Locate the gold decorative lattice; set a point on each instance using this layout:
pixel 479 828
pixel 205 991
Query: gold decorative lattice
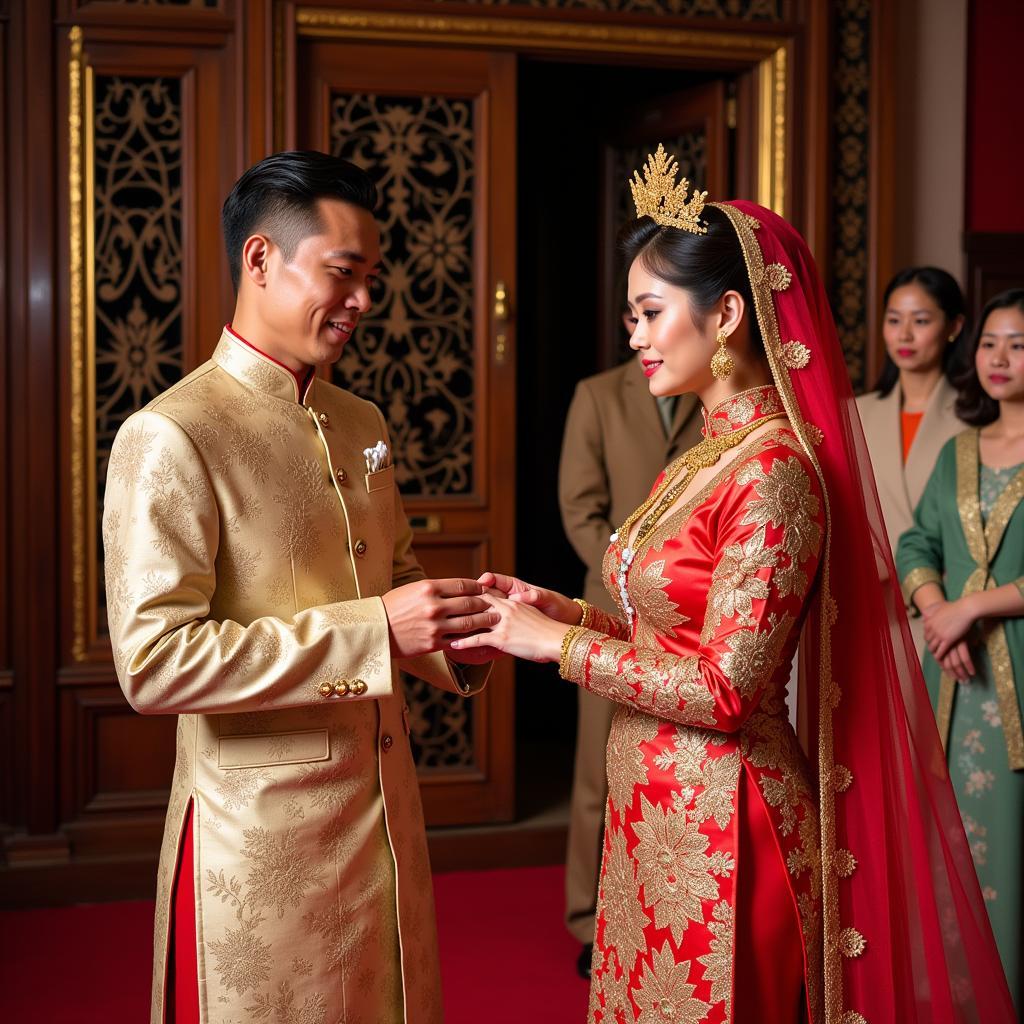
pixel 851 193
pixel 137 212
pixel 413 355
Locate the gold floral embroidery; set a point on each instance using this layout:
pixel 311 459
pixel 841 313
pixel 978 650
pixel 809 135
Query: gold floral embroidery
pixel 242 959
pixel 753 655
pixel 239 786
pixel 282 870
pixel 715 776
pixel 917 578
pixel 657 612
pixel 784 499
pixel 626 767
pixel 131 446
pixel 735 583
pixel 665 994
pixel 282 1004
pixel 851 942
pixel 620 901
pixel 674 867
pixel 718 962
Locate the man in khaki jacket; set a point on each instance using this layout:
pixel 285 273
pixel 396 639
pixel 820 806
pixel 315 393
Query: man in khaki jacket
pixel 261 585
pixel 618 438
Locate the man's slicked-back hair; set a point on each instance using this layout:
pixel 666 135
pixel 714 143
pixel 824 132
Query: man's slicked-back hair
pixel 278 198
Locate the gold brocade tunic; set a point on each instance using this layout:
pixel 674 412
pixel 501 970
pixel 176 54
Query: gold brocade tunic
pixel 246 551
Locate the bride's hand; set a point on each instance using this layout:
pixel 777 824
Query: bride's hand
pixel 523 631
pixel 554 605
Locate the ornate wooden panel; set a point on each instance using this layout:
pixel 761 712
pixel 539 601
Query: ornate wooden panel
pixel 435 129
pixel 413 355
pixel 143 234
pixel 850 197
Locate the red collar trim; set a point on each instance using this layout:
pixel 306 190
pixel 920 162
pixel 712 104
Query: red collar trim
pixel 302 382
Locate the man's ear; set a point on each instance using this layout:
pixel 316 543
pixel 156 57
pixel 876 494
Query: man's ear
pixel 256 258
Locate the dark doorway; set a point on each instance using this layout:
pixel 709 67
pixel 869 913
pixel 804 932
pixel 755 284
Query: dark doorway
pixel 571 119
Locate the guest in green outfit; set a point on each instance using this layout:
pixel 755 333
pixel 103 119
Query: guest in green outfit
pixel 962 567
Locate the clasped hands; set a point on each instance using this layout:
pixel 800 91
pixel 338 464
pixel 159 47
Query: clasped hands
pixel 476 621
pixel 946 625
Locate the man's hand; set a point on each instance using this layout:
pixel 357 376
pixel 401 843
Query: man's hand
pixel 423 616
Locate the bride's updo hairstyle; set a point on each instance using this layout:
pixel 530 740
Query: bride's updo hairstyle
pixel 705 266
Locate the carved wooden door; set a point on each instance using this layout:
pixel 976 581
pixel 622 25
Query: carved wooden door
pixel 436 130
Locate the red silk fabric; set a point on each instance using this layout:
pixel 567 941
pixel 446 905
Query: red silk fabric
pixel 183 970
pixel 907 937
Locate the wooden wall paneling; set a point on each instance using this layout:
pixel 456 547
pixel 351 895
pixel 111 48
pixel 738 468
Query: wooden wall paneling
pixel 150 17
pixel 6 675
pixel 32 418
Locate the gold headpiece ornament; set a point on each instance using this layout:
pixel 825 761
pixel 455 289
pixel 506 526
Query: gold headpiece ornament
pixel 659 196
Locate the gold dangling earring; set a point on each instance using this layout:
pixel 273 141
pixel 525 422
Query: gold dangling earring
pixel 721 362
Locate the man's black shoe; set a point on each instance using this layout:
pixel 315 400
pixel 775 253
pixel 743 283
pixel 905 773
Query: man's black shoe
pixel 583 963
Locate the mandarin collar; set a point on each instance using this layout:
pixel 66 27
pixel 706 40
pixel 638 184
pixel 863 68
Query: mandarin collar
pixel 255 369
pixel 741 409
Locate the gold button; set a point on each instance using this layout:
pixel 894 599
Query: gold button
pixel 385 742
pixel 326 689
pixel 341 688
pixel 360 548
pixel 359 687
pixel 324 420
pixel 341 475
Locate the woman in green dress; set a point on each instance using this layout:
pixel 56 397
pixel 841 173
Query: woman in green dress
pixel 962 567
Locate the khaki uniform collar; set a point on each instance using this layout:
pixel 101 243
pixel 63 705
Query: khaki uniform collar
pixel 256 370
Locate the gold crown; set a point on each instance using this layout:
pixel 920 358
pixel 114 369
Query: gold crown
pixel 659 197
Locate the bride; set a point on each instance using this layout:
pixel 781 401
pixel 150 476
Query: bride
pixel 746 875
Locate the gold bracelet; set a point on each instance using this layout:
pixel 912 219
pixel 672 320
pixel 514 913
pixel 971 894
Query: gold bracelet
pixel 567 641
pixel 587 618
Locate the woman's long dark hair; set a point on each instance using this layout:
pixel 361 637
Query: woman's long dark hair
pixel 706 266
pixel 942 287
pixel 974 404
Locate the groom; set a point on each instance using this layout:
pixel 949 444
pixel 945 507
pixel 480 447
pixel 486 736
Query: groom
pixel 261 585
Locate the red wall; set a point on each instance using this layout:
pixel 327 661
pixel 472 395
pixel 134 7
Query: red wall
pixel 995 116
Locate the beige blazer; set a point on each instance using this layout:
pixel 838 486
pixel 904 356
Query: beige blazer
pixel 613 449
pixel 900 486
pixel 246 551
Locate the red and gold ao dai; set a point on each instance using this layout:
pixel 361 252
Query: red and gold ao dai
pixel 709 904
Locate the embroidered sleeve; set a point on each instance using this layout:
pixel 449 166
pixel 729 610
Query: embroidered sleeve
pixel 602 622
pixel 767 552
pixel 919 551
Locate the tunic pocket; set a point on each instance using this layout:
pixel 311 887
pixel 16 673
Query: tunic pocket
pixel 269 749
pixel 383 479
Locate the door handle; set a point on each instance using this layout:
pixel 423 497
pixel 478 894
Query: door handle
pixel 501 316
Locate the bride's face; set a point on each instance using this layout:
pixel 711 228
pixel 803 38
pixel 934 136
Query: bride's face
pixel 675 352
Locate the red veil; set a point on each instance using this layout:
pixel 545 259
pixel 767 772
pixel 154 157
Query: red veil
pixel 906 933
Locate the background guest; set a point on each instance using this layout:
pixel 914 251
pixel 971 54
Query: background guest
pixel 962 566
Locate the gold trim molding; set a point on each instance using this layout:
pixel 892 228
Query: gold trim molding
pixel 768 52
pixel 77 291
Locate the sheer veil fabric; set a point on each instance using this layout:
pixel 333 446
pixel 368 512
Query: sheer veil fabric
pixel 906 933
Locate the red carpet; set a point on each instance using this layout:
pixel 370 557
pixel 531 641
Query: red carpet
pixel 505 956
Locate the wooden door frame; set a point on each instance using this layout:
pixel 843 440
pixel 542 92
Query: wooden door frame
pixel 775 63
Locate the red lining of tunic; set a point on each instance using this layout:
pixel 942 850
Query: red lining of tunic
pixel 181 990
